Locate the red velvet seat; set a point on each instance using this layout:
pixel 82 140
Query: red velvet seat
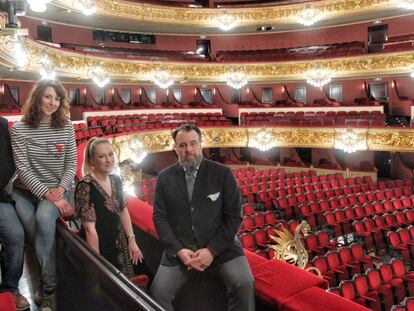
pixel 364 237
pixel 396 284
pixel 399 248
pixel 259 220
pixel 345 256
pixel 271 218
pixel 372 298
pixel 399 270
pixel 247 224
pixel 384 290
pixel 321 264
pixel 260 238
pixel 312 246
pixel 376 232
pixel 324 240
pixel 391 221
pixel 248 209
pixel 347 290
pixel 248 242
pixel 341 218
pixel 334 264
pixel 401 219
pixel 359 255
pixel 332 224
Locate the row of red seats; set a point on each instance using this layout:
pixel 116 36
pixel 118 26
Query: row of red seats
pixel 306 193
pixel 331 50
pixel 310 177
pixel 259 239
pixel 326 199
pixel 371 231
pixel 84 134
pixel 339 265
pixel 259 220
pixel 132 53
pixel 319 123
pixel 152 117
pixel 283 179
pixel 401 243
pixel 340 218
pixel 246 117
pixel 119 128
pixel 378 288
pixel 251 171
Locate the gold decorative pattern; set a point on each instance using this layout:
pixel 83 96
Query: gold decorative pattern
pixel 158 141
pixel 3 20
pixel 149 13
pixel 152 141
pixel 290 248
pixel 391 140
pixel 230 137
pixel 72 64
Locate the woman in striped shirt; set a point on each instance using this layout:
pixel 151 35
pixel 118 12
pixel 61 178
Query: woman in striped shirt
pixel 44 151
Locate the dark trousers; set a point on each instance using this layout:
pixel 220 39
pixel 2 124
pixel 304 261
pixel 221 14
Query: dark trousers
pixel 235 274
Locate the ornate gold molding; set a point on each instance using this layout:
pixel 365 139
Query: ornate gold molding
pixel 3 21
pixel 245 16
pixel 401 140
pixel 72 64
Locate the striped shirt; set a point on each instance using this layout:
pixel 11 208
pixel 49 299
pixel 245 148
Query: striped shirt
pixel 45 157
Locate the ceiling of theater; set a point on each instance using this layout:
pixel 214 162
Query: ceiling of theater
pixel 148 18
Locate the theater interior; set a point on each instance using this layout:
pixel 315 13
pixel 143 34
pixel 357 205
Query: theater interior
pixel 309 102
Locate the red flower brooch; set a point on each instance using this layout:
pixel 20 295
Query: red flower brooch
pixel 59 148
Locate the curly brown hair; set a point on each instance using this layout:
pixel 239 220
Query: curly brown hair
pixel 31 108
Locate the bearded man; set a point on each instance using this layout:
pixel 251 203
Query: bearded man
pixel 197 214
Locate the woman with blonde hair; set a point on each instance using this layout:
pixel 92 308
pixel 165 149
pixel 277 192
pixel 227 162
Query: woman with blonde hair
pixel 101 206
pixel 44 152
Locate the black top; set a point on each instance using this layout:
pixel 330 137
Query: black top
pixel 6 159
pixel 93 204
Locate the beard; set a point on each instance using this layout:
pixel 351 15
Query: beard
pixel 190 163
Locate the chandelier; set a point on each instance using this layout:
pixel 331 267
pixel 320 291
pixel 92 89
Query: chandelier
pixel 406 4
pixel 138 152
pixel 100 78
pixel 226 22
pixel 16 48
pixel 308 16
pixel 236 80
pixel 38 5
pixel 350 140
pixel 46 68
pixel 263 140
pixel 318 77
pixel 88 7
pixel 163 79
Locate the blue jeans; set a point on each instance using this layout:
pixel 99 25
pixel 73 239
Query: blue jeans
pixel 12 239
pixel 39 221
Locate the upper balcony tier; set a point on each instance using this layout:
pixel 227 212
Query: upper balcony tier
pixel 139 16
pixel 69 64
